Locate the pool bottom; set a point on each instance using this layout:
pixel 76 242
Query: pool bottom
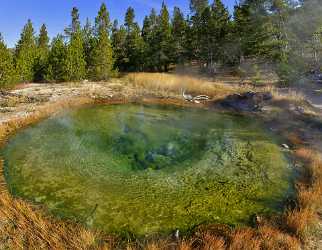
pixel 149 169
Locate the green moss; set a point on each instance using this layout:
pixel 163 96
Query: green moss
pixel 141 170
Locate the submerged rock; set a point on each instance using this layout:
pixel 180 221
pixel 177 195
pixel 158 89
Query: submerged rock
pixel 249 101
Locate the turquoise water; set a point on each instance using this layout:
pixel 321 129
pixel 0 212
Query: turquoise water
pixel 148 169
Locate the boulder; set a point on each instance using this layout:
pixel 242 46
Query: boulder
pixel 249 101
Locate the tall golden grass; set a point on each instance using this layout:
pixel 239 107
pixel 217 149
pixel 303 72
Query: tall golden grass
pixel 166 84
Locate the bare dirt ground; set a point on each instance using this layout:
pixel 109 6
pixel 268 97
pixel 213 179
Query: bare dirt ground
pixel 26 98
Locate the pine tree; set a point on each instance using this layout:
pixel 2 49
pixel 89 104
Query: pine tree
pixel 198 6
pixel 43 39
pixel 178 37
pixel 134 42
pixel 281 10
pixel 75 26
pixel 164 37
pixel 41 59
pixel 204 50
pixel 219 29
pixel 151 40
pixel 102 62
pixel 56 70
pixel 88 41
pixel 256 31
pixel 75 57
pixel 25 54
pixel 147 28
pixel 7 70
pixel 241 27
pixel 119 46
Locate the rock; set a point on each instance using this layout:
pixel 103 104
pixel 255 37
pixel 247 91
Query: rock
pixel 249 101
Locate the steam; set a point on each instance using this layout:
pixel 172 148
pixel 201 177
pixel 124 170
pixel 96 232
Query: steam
pixel 304 30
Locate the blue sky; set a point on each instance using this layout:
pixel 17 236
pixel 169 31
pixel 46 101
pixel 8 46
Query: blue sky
pixel 56 13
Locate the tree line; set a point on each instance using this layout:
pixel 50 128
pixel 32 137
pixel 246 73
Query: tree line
pixel 210 35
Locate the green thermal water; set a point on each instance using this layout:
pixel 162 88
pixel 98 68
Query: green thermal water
pixel 149 169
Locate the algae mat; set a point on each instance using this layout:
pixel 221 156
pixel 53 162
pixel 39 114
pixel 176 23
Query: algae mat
pixel 136 169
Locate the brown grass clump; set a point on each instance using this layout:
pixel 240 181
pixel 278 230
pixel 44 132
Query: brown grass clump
pixel 166 84
pixel 245 239
pixel 204 241
pixel 308 197
pixel 185 245
pixel 273 238
pixel 312 176
pixel 157 245
pixel 300 221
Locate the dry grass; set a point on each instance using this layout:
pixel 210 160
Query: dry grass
pixel 273 238
pixel 26 227
pixel 301 220
pixel 312 177
pixel 245 239
pixel 166 84
pixel 213 242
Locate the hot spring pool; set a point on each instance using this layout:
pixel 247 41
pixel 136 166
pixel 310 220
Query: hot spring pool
pixel 149 169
